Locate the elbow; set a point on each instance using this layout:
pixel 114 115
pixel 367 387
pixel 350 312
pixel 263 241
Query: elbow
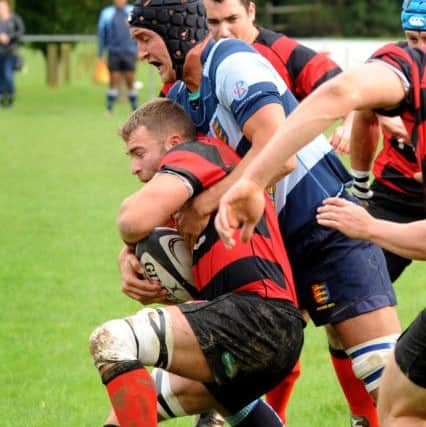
pixel 130 227
pixel 343 94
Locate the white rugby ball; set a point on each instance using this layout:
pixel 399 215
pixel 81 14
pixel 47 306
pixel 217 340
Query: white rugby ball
pixel 165 257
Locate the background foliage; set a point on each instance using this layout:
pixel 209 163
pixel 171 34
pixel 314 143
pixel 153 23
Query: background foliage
pixel 339 18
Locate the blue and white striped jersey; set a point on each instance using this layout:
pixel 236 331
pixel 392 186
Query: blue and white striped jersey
pixel 113 31
pixel 236 82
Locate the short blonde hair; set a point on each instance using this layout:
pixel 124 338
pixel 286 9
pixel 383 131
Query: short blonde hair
pixel 160 116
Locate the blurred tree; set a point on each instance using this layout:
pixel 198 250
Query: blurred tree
pixel 60 16
pixel 339 18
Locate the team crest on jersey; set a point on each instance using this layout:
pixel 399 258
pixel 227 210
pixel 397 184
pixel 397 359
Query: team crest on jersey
pixel 416 21
pixel 219 131
pixel 320 293
pixel 240 90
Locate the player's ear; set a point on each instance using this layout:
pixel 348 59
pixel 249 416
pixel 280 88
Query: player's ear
pixel 252 11
pixel 172 140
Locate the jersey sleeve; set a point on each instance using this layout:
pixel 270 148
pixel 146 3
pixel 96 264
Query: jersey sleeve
pixel 397 58
pixel 200 165
pixel 310 69
pixel 244 80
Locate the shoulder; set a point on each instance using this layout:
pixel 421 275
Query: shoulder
pixel 271 38
pixel 107 12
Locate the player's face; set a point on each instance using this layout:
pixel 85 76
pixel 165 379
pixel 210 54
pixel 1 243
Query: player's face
pixel 416 39
pixel 146 152
pixel 153 49
pixel 231 19
pixel 120 3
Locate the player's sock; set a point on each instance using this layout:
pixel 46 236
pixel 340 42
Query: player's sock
pixel 111 425
pixel 133 99
pixel 360 402
pixel 256 414
pixel 133 395
pixel 279 396
pixel 112 95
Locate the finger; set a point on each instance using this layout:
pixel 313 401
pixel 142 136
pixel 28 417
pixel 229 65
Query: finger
pixel 136 265
pixel 247 231
pixel 335 201
pixel 327 223
pixel 220 221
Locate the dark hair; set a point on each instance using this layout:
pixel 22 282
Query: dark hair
pixel 245 3
pixel 161 116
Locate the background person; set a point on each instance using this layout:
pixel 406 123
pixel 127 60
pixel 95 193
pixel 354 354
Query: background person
pixel 114 37
pixel 11 30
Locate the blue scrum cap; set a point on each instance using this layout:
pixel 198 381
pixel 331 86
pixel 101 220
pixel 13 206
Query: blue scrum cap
pixel 413 15
pixel 180 23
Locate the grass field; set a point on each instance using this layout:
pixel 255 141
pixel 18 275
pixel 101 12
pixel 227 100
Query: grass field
pixel 63 175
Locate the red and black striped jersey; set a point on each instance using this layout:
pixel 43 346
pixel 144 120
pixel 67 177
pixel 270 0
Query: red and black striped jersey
pixel 302 69
pixel 260 266
pixel 396 163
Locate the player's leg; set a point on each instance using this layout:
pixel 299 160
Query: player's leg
pixel 361 404
pixel 347 281
pixel 114 80
pixel 402 398
pixel 241 354
pixel 122 347
pixel 128 68
pixel 280 395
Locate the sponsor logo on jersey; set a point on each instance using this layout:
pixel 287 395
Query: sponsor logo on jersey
pixel 416 21
pixel 320 293
pixel 240 90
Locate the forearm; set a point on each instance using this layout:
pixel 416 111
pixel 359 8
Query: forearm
pixel 315 114
pixel 151 207
pixel 208 201
pixel 364 139
pixel 406 240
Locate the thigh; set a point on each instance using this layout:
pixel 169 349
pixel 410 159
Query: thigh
pixel 128 62
pixel 250 344
pixel 410 351
pixel 401 402
pixel 345 278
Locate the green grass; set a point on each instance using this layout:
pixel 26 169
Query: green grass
pixel 63 175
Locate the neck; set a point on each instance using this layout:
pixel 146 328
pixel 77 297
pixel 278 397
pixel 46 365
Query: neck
pixel 254 32
pixel 192 68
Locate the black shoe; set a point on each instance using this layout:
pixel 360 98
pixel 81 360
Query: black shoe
pixel 7 100
pixel 209 419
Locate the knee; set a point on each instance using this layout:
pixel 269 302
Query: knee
pixel 111 343
pixel 370 358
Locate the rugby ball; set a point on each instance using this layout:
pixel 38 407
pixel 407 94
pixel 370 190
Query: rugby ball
pixel 165 257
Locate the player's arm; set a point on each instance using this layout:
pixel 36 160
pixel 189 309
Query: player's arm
pixel 364 140
pixel 406 240
pixel 258 129
pixel 151 206
pixel 373 85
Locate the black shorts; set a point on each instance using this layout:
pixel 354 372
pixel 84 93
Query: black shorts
pixel 250 344
pixel 121 61
pixel 410 351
